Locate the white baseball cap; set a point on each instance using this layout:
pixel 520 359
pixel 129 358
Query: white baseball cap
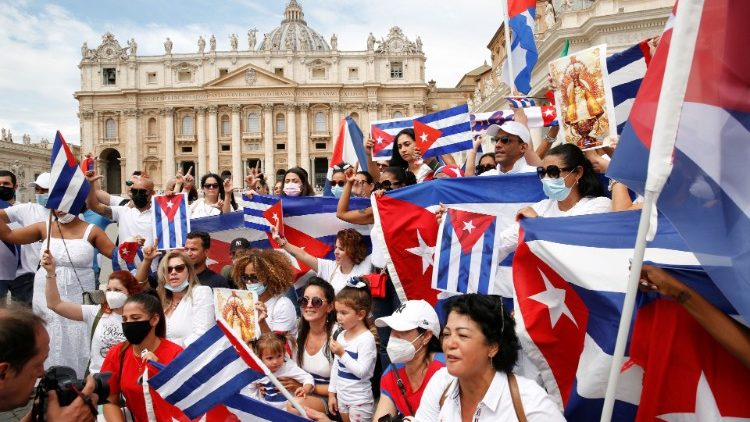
pixel 42 181
pixel 514 128
pixel 410 315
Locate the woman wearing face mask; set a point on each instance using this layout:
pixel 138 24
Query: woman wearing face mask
pixel 72 243
pixel 145 330
pixel 269 274
pixel 407 156
pixel 415 355
pixel 296 183
pixel 102 321
pixel 338 180
pixel 188 306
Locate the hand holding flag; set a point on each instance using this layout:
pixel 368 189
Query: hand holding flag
pixel 68 184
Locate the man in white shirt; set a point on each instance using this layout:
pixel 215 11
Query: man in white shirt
pixel 511 139
pixel 22 215
pixel 131 221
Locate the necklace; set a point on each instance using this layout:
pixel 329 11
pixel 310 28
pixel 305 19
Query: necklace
pixel 174 305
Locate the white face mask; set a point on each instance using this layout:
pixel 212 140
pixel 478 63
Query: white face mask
pixel 116 299
pixel 65 219
pixel 176 289
pixel 400 350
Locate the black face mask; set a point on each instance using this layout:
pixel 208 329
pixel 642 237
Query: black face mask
pixel 7 193
pixel 136 331
pixel 483 168
pixel 140 200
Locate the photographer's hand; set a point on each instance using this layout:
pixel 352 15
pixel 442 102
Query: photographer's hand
pixel 82 409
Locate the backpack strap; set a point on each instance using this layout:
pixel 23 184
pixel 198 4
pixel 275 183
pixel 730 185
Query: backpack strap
pixel 444 395
pixel 402 389
pixel 91 337
pixel 515 395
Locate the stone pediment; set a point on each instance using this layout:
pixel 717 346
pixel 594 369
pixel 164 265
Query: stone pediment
pixel 249 76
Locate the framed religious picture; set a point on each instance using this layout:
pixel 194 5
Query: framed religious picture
pixel 237 309
pixel 583 98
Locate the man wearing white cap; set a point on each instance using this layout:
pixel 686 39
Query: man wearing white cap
pixel 22 215
pixel 511 139
pixel 415 354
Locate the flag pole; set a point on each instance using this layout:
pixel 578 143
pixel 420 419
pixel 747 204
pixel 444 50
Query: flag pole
pixel 667 120
pixel 511 77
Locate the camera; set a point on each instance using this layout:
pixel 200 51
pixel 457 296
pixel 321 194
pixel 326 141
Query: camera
pixel 64 381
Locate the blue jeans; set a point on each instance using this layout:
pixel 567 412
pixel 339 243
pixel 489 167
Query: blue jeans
pixel 21 288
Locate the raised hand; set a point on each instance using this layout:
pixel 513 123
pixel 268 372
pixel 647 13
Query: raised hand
pixel 48 262
pixel 151 252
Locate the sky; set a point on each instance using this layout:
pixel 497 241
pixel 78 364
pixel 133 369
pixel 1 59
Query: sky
pixel 41 41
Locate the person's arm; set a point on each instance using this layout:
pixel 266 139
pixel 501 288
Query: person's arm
pixel 385 407
pixel 92 200
pixel 735 338
pixel 471 161
pixel 449 160
pixel 362 216
pixel 372 168
pixel 531 157
pixel 149 254
pixel 621 197
pixel 547 142
pixel 22 235
pixel 102 242
pixel 363 366
pixel 228 192
pixel 78 410
pixel 296 252
pixel 202 313
pixel 67 310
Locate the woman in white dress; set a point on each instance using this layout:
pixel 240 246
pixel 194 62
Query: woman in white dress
pixel 217 197
pixel 72 243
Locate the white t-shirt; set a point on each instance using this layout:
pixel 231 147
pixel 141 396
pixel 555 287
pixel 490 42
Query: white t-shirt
pixel 282 316
pixel 25 215
pixel 330 271
pixel 108 332
pixel 423 172
pixel 271 395
pixel 199 208
pixel 193 316
pixel 496 405
pixel 351 373
pixel 132 222
pixel 377 258
pixel 520 166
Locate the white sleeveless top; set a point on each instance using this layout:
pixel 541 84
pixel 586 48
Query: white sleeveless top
pixel 318 366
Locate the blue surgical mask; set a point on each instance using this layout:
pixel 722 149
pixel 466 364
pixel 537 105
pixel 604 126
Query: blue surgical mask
pixel 337 191
pixel 41 199
pixel 555 189
pixel 258 288
pixel 177 289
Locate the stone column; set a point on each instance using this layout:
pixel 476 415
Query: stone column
pixel 213 139
pixel 87 131
pixel 201 128
pixel 169 161
pixel 304 137
pixel 372 114
pixel 236 144
pixel 268 167
pixel 291 135
pixel 131 141
pixel 335 119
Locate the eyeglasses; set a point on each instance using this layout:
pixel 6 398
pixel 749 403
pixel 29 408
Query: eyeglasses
pixel 179 268
pixel 315 302
pixel 505 140
pixel 139 191
pixel 552 171
pixel 211 186
pixel 387 185
pixel 249 279
pixel 340 183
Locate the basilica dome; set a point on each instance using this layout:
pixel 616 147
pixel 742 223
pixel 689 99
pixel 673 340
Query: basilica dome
pixel 293 33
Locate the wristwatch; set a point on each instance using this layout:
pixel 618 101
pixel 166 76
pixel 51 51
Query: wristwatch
pixel 612 183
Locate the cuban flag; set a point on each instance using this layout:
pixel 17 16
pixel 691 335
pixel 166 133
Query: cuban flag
pixel 523 52
pixel 212 369
pixel 407 218
pixel 520 102
pixel 465 255
pixel 128 256
pixel 88 163
pixel 349 148
pixel 443 132
pixel 626 71
pixel 706 195
pixel 171 220
pixel 68 185
pixel 383 133
pixel 248 409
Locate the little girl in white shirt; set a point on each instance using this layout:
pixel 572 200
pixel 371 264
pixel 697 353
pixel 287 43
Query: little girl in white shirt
pixel 355 351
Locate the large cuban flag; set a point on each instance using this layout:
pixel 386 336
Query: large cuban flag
pixel 706 196
pixel 443 132
pixel 171 220
pixel 570 276
pixel 68 185
pixel 349 148
pixel 523 52
pixel 626 70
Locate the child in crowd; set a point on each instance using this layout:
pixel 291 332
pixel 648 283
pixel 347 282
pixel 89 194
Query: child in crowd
pixel 270 349
pixel 355 352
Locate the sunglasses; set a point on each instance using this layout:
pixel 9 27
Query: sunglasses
pixel 340 183
pixel 315 302
pixel 179 268
pixel 387 185
pixel 249 279
pixel 505 140
pixel 139 191
pixel 552 171
pixel 211 186
pixel 129 183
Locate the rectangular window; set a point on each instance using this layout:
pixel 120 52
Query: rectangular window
pixel 223 72
pixel 226 148
pixel 109 76
pixel 397 70
pixel 353 73
pixel 151 77
pixel 226 127
pixel 280 146
pixel 187 150
pixel 279 71
pixel 321 145
pixel 184 76
pixel 318 73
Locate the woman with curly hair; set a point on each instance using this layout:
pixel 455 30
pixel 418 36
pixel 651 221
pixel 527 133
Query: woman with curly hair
pixel 269 274
pixel 351 257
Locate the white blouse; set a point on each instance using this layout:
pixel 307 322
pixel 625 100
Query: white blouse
pixel 192 317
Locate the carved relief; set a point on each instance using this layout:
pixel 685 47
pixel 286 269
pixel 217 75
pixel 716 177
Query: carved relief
pixel 109 50
pixel 251 76
pixel 397 43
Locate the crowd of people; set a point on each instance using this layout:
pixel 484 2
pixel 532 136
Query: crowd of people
pixel 340 352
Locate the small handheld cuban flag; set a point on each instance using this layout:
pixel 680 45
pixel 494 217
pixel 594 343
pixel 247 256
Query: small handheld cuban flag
pixel 465 258
pixel 444 132
pixel 68 185
pixel 520 102
pixel 383 134
pixel 171 220
pixel 129 255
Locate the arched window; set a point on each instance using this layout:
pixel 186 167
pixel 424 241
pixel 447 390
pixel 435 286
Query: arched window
pixel 187 125
pixel 280 123
pixel 110 129
pixel 355 117
pixel 320 121
pixel 226 127
pixel 151 127
pixel 253 123
pixel 398 114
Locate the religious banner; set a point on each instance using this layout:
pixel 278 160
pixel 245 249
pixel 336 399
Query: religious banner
pixel 584 98
pixel 237 309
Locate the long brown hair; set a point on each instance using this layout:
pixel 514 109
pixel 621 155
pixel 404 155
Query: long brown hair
pixel 165 295
pixel 304 326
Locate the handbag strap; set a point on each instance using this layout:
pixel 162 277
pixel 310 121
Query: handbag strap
pixel 515 395
pixel 402 389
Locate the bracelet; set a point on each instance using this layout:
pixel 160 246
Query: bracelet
pixel 550 139
pixel 612 183
pixel 52 276
pixel 286 242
